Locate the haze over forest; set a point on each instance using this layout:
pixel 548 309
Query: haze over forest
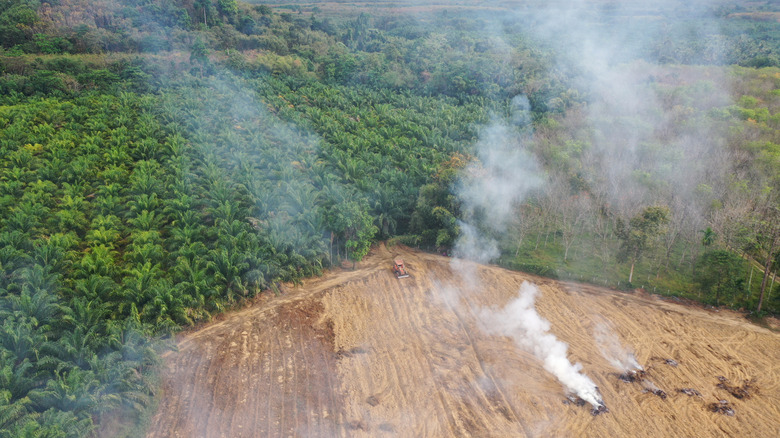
pixel 166 161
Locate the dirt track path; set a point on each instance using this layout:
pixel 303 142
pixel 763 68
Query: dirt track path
pixel 360 353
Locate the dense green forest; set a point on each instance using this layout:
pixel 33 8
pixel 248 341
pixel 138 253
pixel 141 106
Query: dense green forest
pixel 163 161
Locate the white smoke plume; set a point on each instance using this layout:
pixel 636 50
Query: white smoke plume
pixel 613 351
pixel 627 105
pixel 520 321
pixel 503 176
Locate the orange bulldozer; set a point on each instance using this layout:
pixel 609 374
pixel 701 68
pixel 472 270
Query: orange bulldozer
pixel 399 269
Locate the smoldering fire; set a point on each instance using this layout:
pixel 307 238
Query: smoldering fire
pixel 520 321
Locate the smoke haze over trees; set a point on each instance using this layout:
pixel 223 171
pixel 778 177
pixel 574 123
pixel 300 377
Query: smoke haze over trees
pixel 165 160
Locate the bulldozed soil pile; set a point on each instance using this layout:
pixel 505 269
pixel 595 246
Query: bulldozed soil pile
pixel 361 353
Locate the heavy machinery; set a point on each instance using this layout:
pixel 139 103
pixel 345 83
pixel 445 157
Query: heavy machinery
pixel 399 269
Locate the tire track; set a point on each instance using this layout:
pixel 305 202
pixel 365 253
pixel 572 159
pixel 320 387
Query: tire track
pixel 462 327
pixel 475 349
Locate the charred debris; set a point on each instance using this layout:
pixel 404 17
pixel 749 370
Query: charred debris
pixel 740 392
pixel 577 401
pixel 640 376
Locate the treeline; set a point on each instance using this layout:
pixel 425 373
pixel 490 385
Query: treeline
pixel 436 53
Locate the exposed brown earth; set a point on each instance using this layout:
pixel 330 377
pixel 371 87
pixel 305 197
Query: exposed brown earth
pixel 361 353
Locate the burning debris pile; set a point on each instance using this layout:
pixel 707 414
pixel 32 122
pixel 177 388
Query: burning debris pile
pixel 577 401
pixel 690 392
pixel 667 361
pixel 520 321
pixel 650 387
pixel 599 410
pixel 612 350
pixel 640 376
pixel 721 407
pixel 625 361
pixel 632 376
pixel 574 400
pixel 740 392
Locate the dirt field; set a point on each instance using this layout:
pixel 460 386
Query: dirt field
pixel 360 353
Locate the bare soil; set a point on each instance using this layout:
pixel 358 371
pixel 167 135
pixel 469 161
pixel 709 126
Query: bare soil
pixel 361 353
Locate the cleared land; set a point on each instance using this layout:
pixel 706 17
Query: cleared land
pixel 360 353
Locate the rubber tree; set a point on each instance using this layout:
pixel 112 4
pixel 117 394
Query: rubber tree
pixel 768 264
pixel 720 272
pixel 638 234
pixel 199 54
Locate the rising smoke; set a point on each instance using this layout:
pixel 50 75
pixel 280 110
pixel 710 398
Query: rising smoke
pixel 505 174
pixel 613 351
pixel 520 321
pixel 639 153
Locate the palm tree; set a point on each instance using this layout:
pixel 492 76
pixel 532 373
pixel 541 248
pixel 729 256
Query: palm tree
pixel 37 304
pixel 147 148
pixel 143 202
pixel 227 211
pixel 174 145
pixel 144 252
pixel 99 260
pixel 108 370
pixel 24 220
pixel 109 189
pixel 70 220
pixel 108 204
pixel 233 235
pixel 179 208
pixel 17 377
pixel 117 156
pixel 184 234
pixel 19 337
pixel 56 422
pixel 41 191
pixel 86 313
pixel 135 286
pixel 10 411
pixel 227 269
pixel 102 236
pixel 144 179
pixel 49 255
pixel 74 346
pixel 132 343
pixel 187 218
pixel 708 236
pixel 67 391
pixel 192 281
pixel 147 221
pixel 191 251
pixel 164 308
pixel 16 240
pixel 386 211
